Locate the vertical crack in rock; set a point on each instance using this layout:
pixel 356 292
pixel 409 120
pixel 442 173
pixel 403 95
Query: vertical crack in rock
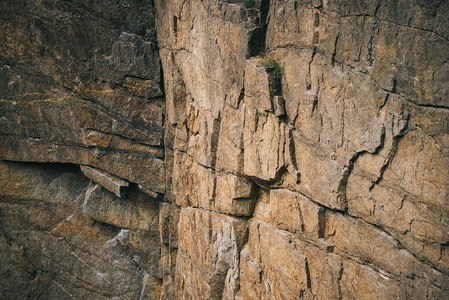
pixel 308 279
pixel 340 275
pixel 334 53
pixel 214 140
pixel 256 27
pixel 321 222
pixel 347 170
pixel 369 55
pixel 212 175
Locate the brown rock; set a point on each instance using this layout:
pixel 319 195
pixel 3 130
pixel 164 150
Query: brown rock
pixel 282 210
pixel 275 265
pixel 50 248
pixel 235 195
pixel 359 281
pixel 89 94
pixel 193 184
pixel 135 211
pixel 110 182
pixel 321 125
pixel 371 244
pixel 230 154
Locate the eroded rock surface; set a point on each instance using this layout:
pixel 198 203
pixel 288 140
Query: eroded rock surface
pixel 236 149
pixel 81 83
pixel 61 237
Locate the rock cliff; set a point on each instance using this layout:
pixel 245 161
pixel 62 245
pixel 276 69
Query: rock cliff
pixel 207 149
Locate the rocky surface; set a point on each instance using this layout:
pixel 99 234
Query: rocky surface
pixel 224 149
pixel 114 184
pixel 81 83
pixel 63 236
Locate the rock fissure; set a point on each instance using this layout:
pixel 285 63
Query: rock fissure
pixel 238 150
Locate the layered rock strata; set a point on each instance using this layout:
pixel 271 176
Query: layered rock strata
pixel 224 149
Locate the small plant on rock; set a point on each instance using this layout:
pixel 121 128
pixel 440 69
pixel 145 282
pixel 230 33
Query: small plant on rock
pixel 271 64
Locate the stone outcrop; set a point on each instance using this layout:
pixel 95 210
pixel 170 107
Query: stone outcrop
pixel 114 184
pixel 224 149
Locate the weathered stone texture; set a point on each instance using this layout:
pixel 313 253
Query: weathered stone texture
pixel 50 247
pixel 114 184
pixel 236 149
pixel 210 269
pixel 81 83
pixel 349 153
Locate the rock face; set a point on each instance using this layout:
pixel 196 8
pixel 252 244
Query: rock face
pixel 81 83
pixel 224 149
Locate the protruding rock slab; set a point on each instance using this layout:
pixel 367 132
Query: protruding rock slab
pixel 235 195
pixel 264 135
pixel 136 210
pixel 112 183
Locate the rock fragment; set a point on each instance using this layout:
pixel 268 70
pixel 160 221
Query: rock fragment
pixel 112 183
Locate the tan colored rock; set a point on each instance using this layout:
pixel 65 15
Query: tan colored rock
pixel 230 154
pixel 325 270
pixel 202 143
pixel 273 268
pixel 241 188
pixel 168 268
pixel 426 162
pixel 278 103
pixel 325 159
pixel 282 210
pixel 369 243
pixel 275 265
pixel 174 88
pixel 169 140
pixel 324 179
pixel 437 293
pixel 359 281
pixel 291 211
pixel 257 89
pixel 264 142
pixel 212 44
pixel 413 216
pixel 181 138
pixel 235 195
pixel 443 263
pixel 193 184
pixel 320 175
pixel 168 228
pixel 313 217
pixel 164 222
pixel 209 247
pixel 168 224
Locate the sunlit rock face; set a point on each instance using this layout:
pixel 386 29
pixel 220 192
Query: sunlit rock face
pixel 224 149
